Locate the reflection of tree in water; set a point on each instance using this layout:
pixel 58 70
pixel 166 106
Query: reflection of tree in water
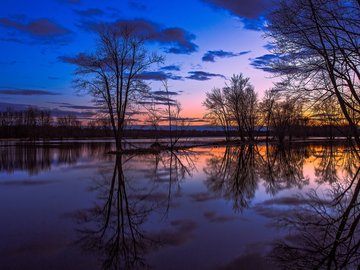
pixel 31 159
pixel 233 175
pixel 282 167
pixel 333 160
pixel 324 230
pixel 35 158
pixel 117 222
pixel 236 174
pixel 114 227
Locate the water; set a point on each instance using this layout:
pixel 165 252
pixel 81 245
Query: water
pixel 73 206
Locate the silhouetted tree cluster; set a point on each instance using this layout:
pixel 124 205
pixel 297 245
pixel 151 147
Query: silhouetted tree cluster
pixel 283 116
pixel 234 107
pixel 31 123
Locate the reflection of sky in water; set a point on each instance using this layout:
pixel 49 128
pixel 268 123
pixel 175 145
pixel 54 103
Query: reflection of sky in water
pixel 40 208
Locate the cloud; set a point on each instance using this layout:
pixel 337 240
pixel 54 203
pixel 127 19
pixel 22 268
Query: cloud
pixel 209 56
pixel 187 120
pixel 158 76
pixel 159 98
pixel 269 46
pixel 202 75
pixel 79 107
pixel 54 112
pixel 242 8
pixel 263 62
pixel 89 12
pixel 254 24
pixel 251 13
pixel 176 40
pixel 27 92
pixel 164 93
pixel 171 68
pixel 80 115
pixel 37 28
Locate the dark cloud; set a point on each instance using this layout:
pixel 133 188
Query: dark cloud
pixel 54 112
pixel 202 75
pixel 242 8
pixel 66 105
pixel 164 93
pixel 137 5
pixel 187 120
pixel 254 24
pixel 158 76
pixel 264 62
pixel 78 107
pixel 61 41
pixel 78 114
pixel 251 13
pixel 27 92
pixel 90 12
pixel 209 56
pixel 269 46
pixel 37 28
pixel 176 40
pixel 145 103
pixel 159 98
pixel 171 68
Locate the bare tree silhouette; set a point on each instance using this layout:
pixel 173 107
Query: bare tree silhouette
pixel 112 75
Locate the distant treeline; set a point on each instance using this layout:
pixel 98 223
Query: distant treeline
pixel 34 124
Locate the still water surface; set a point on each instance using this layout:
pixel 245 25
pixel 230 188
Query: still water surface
pixel 73 206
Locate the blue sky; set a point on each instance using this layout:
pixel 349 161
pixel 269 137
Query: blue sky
pixel 213 40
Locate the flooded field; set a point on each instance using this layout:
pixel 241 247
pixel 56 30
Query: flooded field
pixel 74 206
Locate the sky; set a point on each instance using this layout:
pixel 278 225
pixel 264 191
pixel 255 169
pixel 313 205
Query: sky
pixel 204 43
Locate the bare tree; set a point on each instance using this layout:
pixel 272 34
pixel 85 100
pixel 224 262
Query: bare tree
pixel 218 113
pixel 234 105
pixel 317 44
pixel 241 100
pixel 112 75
